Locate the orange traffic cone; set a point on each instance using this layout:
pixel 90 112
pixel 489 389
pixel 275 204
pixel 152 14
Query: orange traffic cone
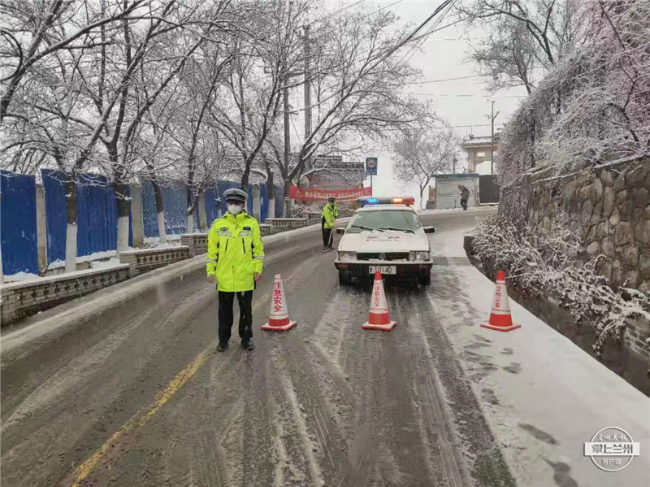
pixel 500 317
pixel 379 318
pixel 279 315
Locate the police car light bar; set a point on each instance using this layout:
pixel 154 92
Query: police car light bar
pixel 396 200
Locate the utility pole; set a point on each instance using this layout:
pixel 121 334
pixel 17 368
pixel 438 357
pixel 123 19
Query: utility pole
pixel 287 130
pixel 307 54
pixel 492 116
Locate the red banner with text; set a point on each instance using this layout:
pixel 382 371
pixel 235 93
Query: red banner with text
pixel 295 193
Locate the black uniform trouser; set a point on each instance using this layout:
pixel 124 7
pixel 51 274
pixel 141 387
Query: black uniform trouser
pixel 327 234
pixel 463 203
pixel 226 302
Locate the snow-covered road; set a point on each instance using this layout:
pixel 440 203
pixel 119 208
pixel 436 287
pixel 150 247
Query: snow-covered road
pixel 134 394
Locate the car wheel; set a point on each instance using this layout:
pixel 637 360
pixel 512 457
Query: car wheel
pixel 425 279
pixel 344 279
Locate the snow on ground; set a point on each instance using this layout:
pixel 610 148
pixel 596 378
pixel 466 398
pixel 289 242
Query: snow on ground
pixel 106 264
pixel 488 207
pixel 155 241
pixel 168 245
pixel 20 276
pixel 543 396
pixel 84 258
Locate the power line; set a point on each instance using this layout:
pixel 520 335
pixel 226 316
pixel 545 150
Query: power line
pixel 467 95
pixel 410 37
pixel 391 51
pixel 446 79
pixel 433 29
pixel 322 34
pixel 334 14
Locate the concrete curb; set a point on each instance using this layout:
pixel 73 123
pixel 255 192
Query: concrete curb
pixel 97 302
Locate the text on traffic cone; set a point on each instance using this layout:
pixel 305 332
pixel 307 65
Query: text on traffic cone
pixel 378 318
pixel 500 317
pixel 279 314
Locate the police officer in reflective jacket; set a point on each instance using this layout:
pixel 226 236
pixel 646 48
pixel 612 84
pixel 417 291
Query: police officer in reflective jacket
pixel 235 263
pixel 328 218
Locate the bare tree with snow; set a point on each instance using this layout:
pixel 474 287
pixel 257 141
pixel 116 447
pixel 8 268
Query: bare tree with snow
pixel 250 103
pixel 592 107
pixel 360 76
pixel 526 37
pixel 421 154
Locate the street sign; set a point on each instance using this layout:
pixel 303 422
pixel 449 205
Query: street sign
pixel 371 166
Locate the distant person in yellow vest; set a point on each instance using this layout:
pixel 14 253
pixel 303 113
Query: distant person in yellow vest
pixel 329 216
pixel 235 263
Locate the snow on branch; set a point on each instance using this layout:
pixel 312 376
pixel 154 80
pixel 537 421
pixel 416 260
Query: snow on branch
pixel 592 107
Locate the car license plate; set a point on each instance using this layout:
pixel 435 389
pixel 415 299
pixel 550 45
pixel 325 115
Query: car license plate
pixel 384 269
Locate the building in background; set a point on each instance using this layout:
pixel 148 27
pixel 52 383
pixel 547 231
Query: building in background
pixel 335 173
pixel 448 194
pixel 431 201
pixel 478 153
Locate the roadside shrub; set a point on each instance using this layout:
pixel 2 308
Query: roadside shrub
pixel 551 262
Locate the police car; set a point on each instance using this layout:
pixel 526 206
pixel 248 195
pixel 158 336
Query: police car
pixel 385 235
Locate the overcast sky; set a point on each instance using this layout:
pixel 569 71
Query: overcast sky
pixel 444 55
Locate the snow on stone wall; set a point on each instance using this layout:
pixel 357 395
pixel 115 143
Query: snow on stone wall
pixel 609 205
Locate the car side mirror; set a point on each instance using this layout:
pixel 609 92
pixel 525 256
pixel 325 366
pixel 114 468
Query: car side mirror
pixel 340 231
pixel 429 230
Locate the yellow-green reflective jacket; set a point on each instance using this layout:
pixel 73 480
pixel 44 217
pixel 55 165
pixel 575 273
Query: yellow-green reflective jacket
pixel 330 213
pixel 235 252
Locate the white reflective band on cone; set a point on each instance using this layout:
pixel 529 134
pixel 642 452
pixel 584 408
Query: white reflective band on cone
pixel 378 303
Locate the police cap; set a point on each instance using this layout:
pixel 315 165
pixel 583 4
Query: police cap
pixel 235 194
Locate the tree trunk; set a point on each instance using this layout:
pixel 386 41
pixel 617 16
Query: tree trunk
pixel 287 184
pixel 244 179
pixel 270 190
pixel 422 207
pixel 71 227
pixel 189 227
pixel 191 208
pixel 123 209
pixel 160 209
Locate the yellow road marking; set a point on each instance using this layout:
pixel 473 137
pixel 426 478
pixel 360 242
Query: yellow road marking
pixel 142 417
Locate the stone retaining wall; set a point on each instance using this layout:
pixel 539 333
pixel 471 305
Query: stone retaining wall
pixel 197 243
pixel 288 223
pixel 147 260
pixel 26 298
pixel 608 205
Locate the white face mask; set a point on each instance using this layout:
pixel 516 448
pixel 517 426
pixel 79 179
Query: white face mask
pixel 234 209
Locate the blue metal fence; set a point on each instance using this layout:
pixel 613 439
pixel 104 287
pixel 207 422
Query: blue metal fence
pixel 18 223
pixel 279 201
pixel 175 206
pixel 265 203
pixel 211 205
pixel 96 214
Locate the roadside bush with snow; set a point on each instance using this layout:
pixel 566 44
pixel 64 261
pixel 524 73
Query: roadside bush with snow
pixel 592 106
pixel 551 262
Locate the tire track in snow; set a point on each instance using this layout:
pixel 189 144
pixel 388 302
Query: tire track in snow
pixel 436 421
pixel 309 446
pixel 481 460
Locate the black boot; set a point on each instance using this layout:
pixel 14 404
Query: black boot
pixel 248 345
pixel 222 347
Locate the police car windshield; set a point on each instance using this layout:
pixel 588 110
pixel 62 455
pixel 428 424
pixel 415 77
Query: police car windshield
pixel 398 220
